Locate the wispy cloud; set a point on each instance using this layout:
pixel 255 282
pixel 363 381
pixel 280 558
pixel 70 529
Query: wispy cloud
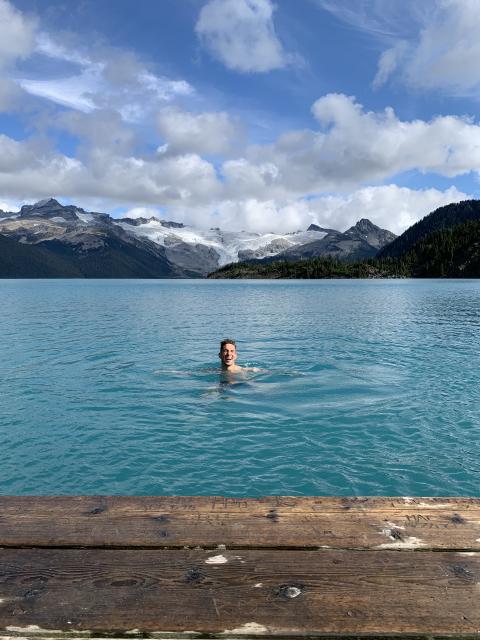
pixel 432 45
pixel 101 78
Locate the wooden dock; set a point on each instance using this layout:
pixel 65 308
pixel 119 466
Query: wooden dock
pixel 169 567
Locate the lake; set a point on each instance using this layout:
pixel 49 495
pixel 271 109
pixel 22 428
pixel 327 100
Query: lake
pixel 370 387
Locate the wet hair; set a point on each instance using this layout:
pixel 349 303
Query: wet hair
pixel 228 341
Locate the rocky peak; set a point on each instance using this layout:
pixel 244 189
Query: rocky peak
pixel 315 227
pixel 370 233
pixel 50 208
pixel 365 226
pixel 47 207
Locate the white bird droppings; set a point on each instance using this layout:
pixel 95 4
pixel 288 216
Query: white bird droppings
pixel 249 627
pixel 394 526
pixel 258 585
pixel 216 560
pixel 292 592
pixel 30 628
pixel 410 542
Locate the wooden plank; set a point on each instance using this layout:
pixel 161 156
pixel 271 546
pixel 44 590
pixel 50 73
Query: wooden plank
pixel 274 522
pixel 293 593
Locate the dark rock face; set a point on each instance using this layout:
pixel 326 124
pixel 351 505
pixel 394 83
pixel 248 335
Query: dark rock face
pixel 361 241
pixel 86 244
pixel 315 227
pixel 195 260
pixel 136 222
pixel 274 247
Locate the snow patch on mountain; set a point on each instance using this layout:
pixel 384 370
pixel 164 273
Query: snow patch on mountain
pixel 228 245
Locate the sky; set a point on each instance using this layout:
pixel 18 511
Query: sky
pixel 241 114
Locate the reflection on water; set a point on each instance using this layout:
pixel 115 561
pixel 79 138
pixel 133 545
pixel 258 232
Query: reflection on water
pixel 366 388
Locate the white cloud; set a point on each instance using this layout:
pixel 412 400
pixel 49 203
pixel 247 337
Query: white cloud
pixel 188 190
pixel 431 45
pixel 389 61
pixel 353 147
pixel 440 51
pixel 16 34
pixel 203 133
pixel 241 34
pixel 142 212
pixel 74 92
pixel 446 53
pixel 279 187
pixel 102 129
pixel 389 206
pixel 262 216
pixel 31 169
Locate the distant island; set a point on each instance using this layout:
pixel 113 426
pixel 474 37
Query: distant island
pixel 51 240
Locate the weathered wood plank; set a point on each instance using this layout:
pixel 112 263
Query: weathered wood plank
pixel 296 593
pixel 274 522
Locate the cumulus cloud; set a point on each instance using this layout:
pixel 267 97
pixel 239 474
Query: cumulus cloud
pixel 281 186
pixel 241 34
pixel 188 189
pixel 390 206
pixel 30 169
pixel 203 133
pixel 102 129
pixel 353 147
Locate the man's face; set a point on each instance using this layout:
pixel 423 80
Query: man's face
pixel 228 354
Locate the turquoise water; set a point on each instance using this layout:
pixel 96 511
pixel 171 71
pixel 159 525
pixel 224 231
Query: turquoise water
pixel 112 387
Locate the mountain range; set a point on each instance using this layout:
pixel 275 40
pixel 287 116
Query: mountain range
pixel 48 239
pixel 444 244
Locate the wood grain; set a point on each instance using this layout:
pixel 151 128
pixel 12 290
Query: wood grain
pixel 301 593
pixel 270 523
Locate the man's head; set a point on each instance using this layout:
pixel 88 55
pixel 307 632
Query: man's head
pixel 228 352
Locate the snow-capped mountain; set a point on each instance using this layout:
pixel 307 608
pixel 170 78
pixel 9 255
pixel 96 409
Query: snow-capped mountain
pixel 213 248
pixel 97 245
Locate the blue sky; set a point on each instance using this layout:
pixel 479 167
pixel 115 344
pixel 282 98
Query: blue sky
pixel 243 114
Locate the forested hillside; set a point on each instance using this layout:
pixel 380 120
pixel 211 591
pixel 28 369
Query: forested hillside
pixel 453 252
pixel 442 218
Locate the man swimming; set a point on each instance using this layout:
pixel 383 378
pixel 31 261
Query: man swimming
pixel 228 356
